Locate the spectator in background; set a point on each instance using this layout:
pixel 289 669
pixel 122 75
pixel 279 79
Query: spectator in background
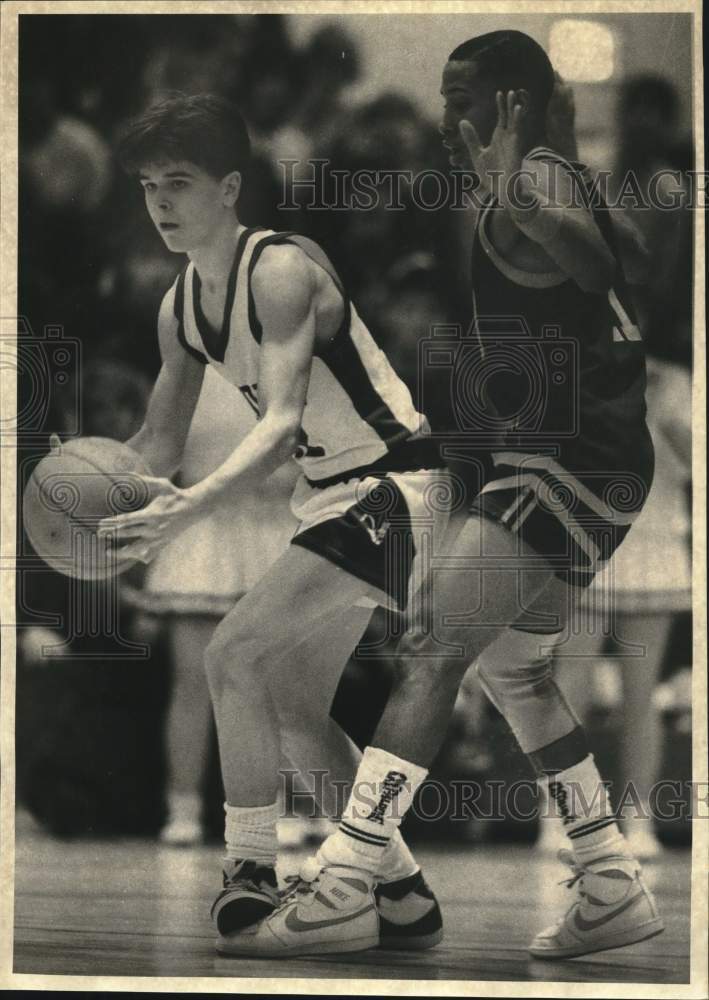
pixel 114 399
pixel 406 304
pixel 64 177
pixel 323 70
pixel 195 54
pixel 649 143
pixel 387 134
pixel 65 160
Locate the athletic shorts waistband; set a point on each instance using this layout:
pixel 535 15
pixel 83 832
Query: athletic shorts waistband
pixel 409 456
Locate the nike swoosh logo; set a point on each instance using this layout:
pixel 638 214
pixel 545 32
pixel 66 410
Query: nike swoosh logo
pixel 296 925
pixel 590 925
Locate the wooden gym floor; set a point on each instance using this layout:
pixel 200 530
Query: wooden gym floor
pixel 134 908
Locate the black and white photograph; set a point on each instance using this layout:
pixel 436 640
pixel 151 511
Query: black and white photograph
pixel 353 498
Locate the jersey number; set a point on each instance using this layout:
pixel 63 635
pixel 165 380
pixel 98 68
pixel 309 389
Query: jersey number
pixel 303 450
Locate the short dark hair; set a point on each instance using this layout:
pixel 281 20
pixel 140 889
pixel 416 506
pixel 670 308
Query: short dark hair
pixel 510 60
pixel 203 129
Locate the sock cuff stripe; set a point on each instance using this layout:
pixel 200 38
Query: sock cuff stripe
pixel 591 828
pixel 373 841
pixel 374 837
pixel 365 833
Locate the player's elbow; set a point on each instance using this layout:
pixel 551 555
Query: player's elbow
pixel 290 440
pixel 285 430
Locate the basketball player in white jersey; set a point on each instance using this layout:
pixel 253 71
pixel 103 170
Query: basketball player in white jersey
pixel 269 313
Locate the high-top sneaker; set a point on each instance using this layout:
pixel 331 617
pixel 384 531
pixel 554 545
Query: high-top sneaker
pixel 614 908
pixel 250 893
pixel 409 914
pixel 326 910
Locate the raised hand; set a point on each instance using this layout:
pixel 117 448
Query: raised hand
pixel 502 159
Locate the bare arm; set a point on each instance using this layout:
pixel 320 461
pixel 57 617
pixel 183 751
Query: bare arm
pixel 538 199
pixel 564 229
pixel 283 287
pixel 161 439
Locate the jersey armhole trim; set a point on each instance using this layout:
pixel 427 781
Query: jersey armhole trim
pixel 179 310
pixel 528 279
pixel 292 239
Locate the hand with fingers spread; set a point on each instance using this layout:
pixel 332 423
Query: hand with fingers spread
pixel 139 535
pixel 499 162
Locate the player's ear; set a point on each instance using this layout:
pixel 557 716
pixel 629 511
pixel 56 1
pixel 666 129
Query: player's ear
pixel 231 186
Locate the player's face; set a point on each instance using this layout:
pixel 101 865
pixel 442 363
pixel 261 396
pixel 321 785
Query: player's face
pixel 185 203
pixel 465 96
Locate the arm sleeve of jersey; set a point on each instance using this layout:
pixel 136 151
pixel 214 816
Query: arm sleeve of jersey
pixel 178 312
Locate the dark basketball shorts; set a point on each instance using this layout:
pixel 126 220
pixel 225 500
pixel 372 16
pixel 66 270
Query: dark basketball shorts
pixel 381 529
pixel 576 526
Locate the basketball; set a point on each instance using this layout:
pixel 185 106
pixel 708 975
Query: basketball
pixel 70 491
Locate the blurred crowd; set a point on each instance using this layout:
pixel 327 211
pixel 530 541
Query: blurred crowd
pixel 91 261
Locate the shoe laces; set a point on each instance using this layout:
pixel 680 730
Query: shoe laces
pixel 243 877
pixel 578 870
pixel 305 884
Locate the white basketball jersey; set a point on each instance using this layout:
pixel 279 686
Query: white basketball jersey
pixel 357 408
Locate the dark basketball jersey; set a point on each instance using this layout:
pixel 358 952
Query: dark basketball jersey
pixel 562 369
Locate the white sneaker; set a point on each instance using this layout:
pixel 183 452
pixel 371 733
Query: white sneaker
pixel 614 908
pixel 328 910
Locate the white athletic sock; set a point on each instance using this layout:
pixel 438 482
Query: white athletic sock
pixel 589 820
pixel 383 790
pixel 397 860
pixel 250 832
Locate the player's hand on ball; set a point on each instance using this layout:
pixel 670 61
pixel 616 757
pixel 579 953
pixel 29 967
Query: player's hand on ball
pixel 142 533
pixel 503 157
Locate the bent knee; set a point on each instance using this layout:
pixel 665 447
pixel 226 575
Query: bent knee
pixel 516 662
pixel 235 655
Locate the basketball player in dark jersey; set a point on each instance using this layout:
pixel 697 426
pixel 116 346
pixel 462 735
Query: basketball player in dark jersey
pixel 269 313
pixel 556 370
